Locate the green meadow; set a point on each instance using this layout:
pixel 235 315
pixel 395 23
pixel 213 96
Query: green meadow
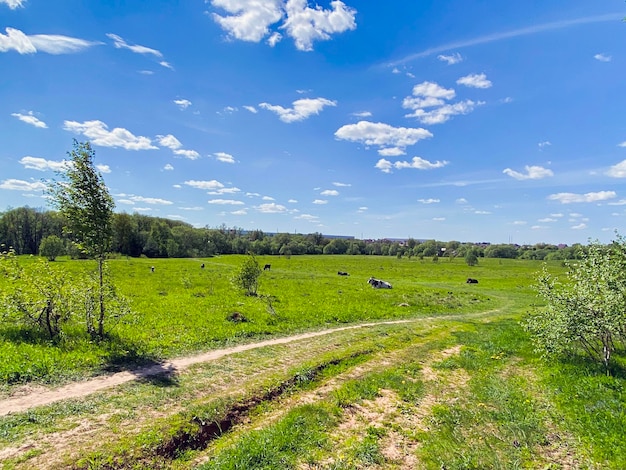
pixel 458 386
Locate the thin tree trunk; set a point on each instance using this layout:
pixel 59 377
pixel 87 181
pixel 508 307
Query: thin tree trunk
pixel 101 297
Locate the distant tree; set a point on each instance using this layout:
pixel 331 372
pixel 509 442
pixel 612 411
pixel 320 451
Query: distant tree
pixel 84 199
pixel 51 247
pixel 247 278
pixel 588 311
pixel 471 259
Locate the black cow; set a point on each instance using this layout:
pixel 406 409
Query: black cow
pixel 267 267
pixel 471 281
pixel 378 284
pixel 152 268
pixel 342 273
pixel 202 266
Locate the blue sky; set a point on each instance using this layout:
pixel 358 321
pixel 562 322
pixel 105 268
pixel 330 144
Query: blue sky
pixel 454 120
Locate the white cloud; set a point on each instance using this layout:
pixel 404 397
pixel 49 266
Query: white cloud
pixel 267 198
pixel 97 132
pixel 429 201
pixel 271 208
pixel 240 212
pixel 104 168
pixel 306 25
pixel 30 119
pixel 41 164
pixel 251 20
pixel 381 135
pixel 384 165
pixel 330 192
pixel 362 114
pixel 568 198
pixel 231 202
pixel 623 144
pixel 450 59
pixel 341 185
pixel 391 152
pixel 195 208
pixel 224 157
pixel 419 163
pixel 439 219
pixel 546 220
pixel 618 170
pixel 545 143
pixel 519 222
pixel 150 200
pixel 210 185
pixel 431 95
pixel 13 4
pixel 52 44
pixel 320 202
pixel 363 209
pixel 292 201
pixel 169 141
pixel 182 103
pixel 301 110
pixel 475 80
pixel 444 113
pixel 580 226
pixel 310 217
pixel 252 109
pixel 603 57
pixel 21 185
pixel 225 191
pixel 165 64
pixel 120 43
pixel 532 173
pixel 274 39
pixel 482 212
pixel 190 154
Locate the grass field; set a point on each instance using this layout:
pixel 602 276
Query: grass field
pixel 457 387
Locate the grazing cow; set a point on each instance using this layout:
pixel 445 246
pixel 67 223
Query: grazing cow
pixel 267 267
pixel 202 266
pixel 471 281
pixel 342 273
pixel 152 268
pixel 378 284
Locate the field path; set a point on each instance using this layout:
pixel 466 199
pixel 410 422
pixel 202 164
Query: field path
pixel 36 398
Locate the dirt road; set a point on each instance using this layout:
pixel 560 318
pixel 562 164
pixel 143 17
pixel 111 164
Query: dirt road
pixel 30 400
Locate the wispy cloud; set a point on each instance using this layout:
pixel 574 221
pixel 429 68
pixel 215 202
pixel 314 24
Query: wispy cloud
pixel 21 185
pixel 552 26
pixel 451 59
pixel 603 57
pixel 182 103
pixel 120 43
pixel 41 164
pixel 31 119
pixel 417 163
pixel 569 198
pixel 16 40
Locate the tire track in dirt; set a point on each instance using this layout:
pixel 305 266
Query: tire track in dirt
pixel 32 399
pixel 22 403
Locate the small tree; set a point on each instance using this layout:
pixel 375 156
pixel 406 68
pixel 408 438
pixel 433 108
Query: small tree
pixel 471 259
pixel 37 296
pixel 588 311
pixel 248 276
pixel 83 198
pixel 51 247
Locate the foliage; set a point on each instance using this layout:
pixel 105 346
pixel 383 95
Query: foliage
pixel 588 311
pixel 38 296
pixel 247 278
pixel 471 259
pixel 83 198
pixel 51 247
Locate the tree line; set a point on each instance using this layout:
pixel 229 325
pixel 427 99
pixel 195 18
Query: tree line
pixel 25 229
